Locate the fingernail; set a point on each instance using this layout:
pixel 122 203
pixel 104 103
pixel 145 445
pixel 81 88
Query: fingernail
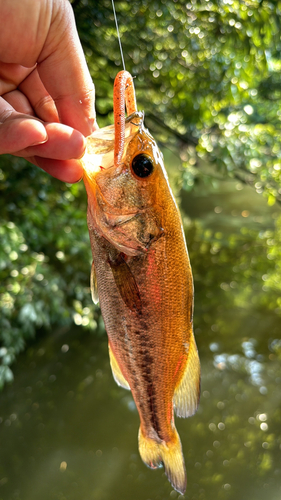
pixel 39 142
pixel 93 125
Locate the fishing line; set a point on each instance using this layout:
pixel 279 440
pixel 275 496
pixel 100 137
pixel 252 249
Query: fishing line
pixel 118 34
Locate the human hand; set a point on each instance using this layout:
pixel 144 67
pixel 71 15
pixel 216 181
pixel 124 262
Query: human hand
pixel 46 92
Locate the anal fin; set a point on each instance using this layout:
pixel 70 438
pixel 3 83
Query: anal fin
pixel 116 372
pixel 187 393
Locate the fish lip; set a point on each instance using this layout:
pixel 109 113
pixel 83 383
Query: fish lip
pixel 99 152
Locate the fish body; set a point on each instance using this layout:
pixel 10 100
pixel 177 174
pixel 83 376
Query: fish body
pixel 142 276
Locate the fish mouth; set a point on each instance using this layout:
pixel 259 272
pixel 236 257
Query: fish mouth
pixel 99 154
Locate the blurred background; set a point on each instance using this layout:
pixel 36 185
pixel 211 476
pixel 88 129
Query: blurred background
pixel 208 76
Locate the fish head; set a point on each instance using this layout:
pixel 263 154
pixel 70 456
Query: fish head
pixel 125 200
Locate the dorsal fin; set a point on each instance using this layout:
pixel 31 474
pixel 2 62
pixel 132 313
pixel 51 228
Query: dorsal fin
pixel 187 393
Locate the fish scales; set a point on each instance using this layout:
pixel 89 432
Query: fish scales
pixel 144 282
pixel 134 336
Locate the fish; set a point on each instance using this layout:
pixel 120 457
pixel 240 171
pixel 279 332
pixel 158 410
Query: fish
pixel 142 278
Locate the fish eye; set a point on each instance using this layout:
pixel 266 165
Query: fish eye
pixel 142 166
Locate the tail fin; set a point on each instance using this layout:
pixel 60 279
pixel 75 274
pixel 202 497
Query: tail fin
pixel 155 454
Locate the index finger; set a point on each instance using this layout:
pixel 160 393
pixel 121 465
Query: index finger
pixel 64 72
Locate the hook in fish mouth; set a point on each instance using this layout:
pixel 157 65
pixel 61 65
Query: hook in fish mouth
pixel 99 152
pixel 136 114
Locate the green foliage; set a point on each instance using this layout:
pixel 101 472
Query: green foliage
pixel 207 75
pixel 45 257
pixel 241 269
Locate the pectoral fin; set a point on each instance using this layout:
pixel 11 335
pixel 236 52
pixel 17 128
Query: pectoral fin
pixel 187 393
pixel 117 374
pixel 126 283
pixel 93 285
